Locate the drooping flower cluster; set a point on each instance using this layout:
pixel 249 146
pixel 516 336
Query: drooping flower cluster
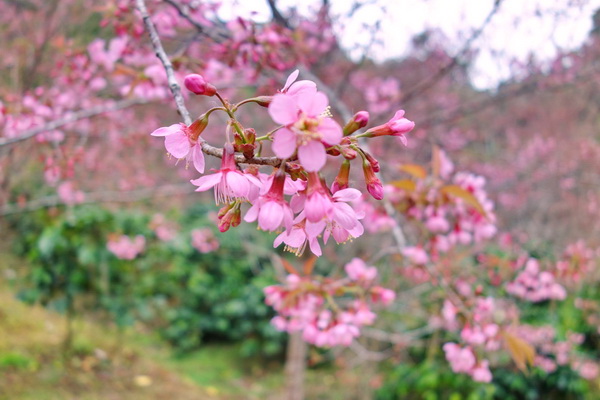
pixel 313 212
pixel 453 209
pixel 328 312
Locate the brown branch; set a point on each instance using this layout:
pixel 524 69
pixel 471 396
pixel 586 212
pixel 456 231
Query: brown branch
pixel 176 91
pixel 76 116
pixel 184 12
pixel 166 62
pixel 277 16
pixel 435 78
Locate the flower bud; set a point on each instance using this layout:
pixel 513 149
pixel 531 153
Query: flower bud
pixel 341 180
pixel 374 163
pixel 374 186
pixel 397 126
pixel 348 153
pixel 360 120
pixel 263 101
pixel 197 127
pixel 196 84
pixel 231 217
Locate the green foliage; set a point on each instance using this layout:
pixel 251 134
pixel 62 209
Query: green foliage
pixel 432 381
pixel 563 384
pixel 188 296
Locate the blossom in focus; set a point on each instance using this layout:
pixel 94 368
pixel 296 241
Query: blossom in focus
pixel 307 130
pixel 271 209
pixel 181 141
pixel 229 182
pixel 196 84
pixel 397 126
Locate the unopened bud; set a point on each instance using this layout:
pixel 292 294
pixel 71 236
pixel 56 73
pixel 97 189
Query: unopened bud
pixel 263 101
pixel 232 217
pixel 196 84
pixel 360 120
pixel 250 135
pixel 374 163
pixel 348 153
pixel 341 180
pixel 374 186
pixel 198 126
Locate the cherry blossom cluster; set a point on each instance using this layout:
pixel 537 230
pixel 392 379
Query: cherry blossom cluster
pixel 577 261
pixel 534 285
pixel 480 332
pixel 463 360
pixel 452 208
pixel 552 353
pixel 125 247
pixel 295 199
pixel 328 312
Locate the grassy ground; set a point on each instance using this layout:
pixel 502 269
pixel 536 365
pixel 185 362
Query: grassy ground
pixel 105 363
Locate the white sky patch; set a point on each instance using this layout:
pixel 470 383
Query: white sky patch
pixel 519 30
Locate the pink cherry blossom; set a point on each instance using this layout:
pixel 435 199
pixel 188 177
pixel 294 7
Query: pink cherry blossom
pixel 397 126
pixel 229 182
pixel 180 144
pixel 271 209
pixel 306 129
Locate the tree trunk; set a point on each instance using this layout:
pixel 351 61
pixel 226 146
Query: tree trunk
pixel 295 366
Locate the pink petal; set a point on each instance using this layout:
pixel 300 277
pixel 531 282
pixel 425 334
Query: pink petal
pixel 283 109
pixel 252 213
pixel 399 114
pixel 314 229
pixel 177 144
pixel 284 143
pixel 238 184
pixel 403 140
pixel 344 215
pixel 312 104
pixel 331 131
pixel 347 195
pixel 295 238
pixel 198 158
pixel 206 182
pixel 302 88
pixel 166 130
pixel 314 247
pixel 312 156
pixel 293 76
pixel 270 217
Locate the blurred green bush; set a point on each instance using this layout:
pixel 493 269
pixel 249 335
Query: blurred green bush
pixel 188 296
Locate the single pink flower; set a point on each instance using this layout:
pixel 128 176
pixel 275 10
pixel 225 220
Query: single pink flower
pixel 397 126
pixel 271 209
pixel 181 141
pixel 229 182
pixel 306 128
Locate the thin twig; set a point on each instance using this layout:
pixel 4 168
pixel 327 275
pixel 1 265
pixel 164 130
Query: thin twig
pixel 107 196
pixel 75 116
pixel 435 78
pixel 184 11
pixel 180 102
pixel 166 62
